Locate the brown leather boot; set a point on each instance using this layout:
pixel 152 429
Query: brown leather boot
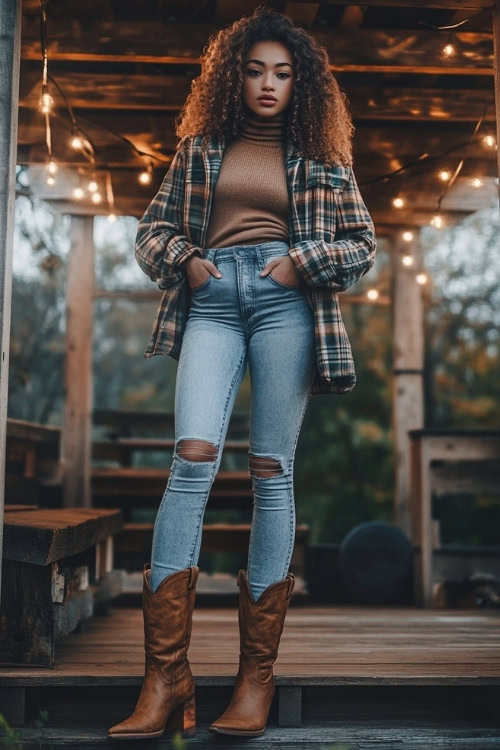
pixel 167 694
pixel 261 624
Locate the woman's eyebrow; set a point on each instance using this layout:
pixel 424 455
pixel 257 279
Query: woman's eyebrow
pixel 259 62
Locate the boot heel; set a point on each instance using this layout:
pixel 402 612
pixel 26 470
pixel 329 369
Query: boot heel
pixel 183 718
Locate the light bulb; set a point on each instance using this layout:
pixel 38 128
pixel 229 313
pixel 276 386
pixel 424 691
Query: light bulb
pixel 372 294
pixel 145 178
pixel 96 197
pixel 489 141
pixel 407 236
pixel 398 202
pixel 46 102
pixel 437 221
pixel 92 186
pixel 444 175
pixel 449 50
pixel 477 182
pixel 421 278
pixel 52 167
pixel 407 260
pixel 76 142
pixel 78 193
pixel 112 218
pixel 50 180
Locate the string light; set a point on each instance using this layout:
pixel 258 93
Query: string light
pixel 92 186
pixel 407 260
pixel 398 202
pixel 421 278
pixel 489 141
pixel 437 221
pixel 96 197
pixel 407 236
pixel 448 50
pixel 146 176
pixel 476 182
pixel 372 294
pixel 78 193
pixel 444 175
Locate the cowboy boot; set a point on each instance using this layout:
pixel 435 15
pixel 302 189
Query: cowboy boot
pixel 261 624
pixel 167 694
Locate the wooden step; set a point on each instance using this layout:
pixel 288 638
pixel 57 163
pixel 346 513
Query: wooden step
pixel 395 677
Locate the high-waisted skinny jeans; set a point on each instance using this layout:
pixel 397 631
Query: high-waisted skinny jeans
pixel 238 318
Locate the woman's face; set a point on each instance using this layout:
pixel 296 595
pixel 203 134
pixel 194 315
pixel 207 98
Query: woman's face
pixel 267 70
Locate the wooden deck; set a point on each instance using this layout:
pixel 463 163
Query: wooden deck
pixel 374 677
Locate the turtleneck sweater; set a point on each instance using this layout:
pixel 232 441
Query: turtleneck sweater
pixel 250 200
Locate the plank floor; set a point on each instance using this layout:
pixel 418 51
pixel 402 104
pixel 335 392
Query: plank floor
pixel 320 645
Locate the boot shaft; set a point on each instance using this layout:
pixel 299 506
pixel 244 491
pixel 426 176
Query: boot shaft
pixel 261 622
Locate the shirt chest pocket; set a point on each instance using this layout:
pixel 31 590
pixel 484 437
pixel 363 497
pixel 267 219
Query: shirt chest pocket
pixel 335 178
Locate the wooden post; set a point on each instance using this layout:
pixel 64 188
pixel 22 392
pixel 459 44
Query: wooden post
pixel 10 60
pixel 496 64
pixel 76 438
pixel 408 358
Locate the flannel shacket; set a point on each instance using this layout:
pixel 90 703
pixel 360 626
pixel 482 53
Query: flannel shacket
pixel 332 244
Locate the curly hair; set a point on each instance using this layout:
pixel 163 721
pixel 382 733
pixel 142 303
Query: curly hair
pixel 318 122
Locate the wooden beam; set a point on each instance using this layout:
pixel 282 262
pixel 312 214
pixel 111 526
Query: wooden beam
pixel 114 92
pixel 356 50
pixel 76 435
pixel 10 52
pixel 408 362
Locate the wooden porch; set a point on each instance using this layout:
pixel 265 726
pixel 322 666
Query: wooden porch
pixel 364 677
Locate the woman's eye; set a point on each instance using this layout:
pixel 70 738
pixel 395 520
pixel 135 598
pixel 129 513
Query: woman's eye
pixel 286 75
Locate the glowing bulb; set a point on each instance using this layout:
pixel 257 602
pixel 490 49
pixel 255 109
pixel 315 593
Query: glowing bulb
pixel 444 175
pixel 421 278
pixel 46 102
pixel 78 193
pixel 96 197
pixel 76 142
pixel 112 218
pixel 449 50
pixel 145 178
pixel 437 221
pixel 50 180
pixel 398 202
pixel 372 294
pixel 407 260
pixel 477 182
pixel 407 236
pixel 92 186
pixel 489 141
pixel 52 167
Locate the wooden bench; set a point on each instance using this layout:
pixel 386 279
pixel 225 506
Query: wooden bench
pixel 475 457
pixel 57 570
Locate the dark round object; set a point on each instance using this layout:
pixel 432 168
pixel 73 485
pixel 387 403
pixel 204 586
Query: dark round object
pixel 376 562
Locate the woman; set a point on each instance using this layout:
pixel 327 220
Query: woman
pixel 257 226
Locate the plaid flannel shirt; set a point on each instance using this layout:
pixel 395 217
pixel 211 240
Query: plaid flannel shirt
pixel 332 244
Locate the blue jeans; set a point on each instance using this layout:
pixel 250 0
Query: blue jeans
pixel 238 318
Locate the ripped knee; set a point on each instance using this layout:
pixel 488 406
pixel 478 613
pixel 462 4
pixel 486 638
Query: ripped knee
pixel 261 466
pixel 196 450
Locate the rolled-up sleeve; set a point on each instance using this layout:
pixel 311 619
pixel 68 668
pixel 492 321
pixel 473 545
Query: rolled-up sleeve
pixel 340 263
pixel 160 245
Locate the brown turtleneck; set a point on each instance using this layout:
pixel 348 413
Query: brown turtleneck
pixel 250 201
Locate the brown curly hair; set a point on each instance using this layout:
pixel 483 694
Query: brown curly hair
pixel 318 123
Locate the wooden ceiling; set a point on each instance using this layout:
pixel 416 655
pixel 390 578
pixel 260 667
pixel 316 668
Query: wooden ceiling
pixel 126 69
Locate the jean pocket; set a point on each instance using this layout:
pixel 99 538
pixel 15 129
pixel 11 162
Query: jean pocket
pixel 274 281
pixel 202 286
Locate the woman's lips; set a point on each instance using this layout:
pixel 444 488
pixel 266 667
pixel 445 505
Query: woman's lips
pixel 267 102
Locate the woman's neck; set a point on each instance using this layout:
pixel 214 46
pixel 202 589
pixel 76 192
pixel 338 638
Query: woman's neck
pixel 263 129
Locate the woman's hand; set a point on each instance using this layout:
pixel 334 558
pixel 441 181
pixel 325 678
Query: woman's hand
pixel 284 271
pixel 196 268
